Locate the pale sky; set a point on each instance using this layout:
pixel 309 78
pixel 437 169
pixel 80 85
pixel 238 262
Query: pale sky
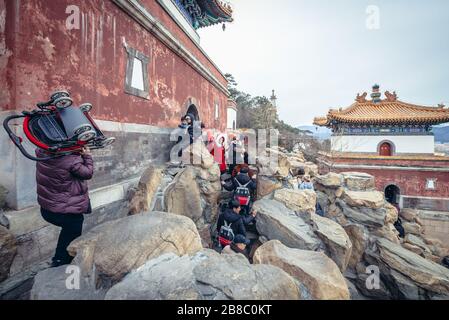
pixel 318 54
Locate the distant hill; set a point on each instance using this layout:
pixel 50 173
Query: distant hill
pixel 441 134
pixel 318 132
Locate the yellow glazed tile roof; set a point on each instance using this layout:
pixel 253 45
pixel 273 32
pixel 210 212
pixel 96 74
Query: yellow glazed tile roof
pixel 388 111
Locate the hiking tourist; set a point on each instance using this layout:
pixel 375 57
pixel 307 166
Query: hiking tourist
pixel 306 184
pixel 238 245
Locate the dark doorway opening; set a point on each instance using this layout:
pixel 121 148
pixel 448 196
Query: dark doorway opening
pixel 392 194
pixel 194 111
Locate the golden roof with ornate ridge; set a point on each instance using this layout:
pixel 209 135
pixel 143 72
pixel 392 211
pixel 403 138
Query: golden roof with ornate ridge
pixel 388 111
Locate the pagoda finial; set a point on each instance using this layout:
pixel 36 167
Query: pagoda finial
pixel 273 99
pixel 375 95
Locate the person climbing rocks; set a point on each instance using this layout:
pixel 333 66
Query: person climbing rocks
pixel 242 178
pixel 243 187
pixel 238 168
pixel 306 183
pixel 194 128
pixel 218 151
pixel 239 245
pixel 231 216
pixel 183 126
pixel 63 196
pixel 235 153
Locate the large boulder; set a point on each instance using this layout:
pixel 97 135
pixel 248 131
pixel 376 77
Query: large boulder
pixel 388 231
pixel 392 214
pixel 424 273
pixel 369 199
pixel 311 169
pixel 64 283
pixel 412 228
pixel 183 196
pixel 205 276
pixel 331 180
pixel 362 215
pixel 146 190
pixel 195 193
pixel 409 215
pixel 359 237
pixel 417 242
pixel 113 249
pixel 276 222
pixel 338 244
pixel 315 270
pixel 273 163
pixel 8 250
pixel 266 186
pixel 198 155
pixel 301 201
pixel 358 181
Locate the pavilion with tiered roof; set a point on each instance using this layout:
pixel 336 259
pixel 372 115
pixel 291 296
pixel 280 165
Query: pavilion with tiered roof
pixel 392 140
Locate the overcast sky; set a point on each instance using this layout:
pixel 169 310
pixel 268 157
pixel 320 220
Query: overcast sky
pixel 318 54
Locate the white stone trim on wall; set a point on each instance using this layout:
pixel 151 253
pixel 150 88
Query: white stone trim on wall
pixel 114 126
pixel 415 144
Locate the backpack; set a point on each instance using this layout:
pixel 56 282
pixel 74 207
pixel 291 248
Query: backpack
pixel 242 194
pixel 226 235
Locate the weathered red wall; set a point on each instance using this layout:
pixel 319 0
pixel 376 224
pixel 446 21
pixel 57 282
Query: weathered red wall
pixel 91 63
pixel 157 11
pixel 411 182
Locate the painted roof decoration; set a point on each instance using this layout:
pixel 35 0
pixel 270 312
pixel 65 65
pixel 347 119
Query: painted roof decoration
pixel 204 13
pixel 388 111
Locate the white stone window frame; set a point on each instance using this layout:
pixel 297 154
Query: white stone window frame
pixel 132 55
pixel 216 110
pixel 431 180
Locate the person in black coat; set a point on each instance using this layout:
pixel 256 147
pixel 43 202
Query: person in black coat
pixel 243 178
pixel 232 216
pixel 194 128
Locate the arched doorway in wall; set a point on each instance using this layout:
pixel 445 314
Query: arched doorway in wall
pixel 386 149
pixel 194 111
pixel 392 194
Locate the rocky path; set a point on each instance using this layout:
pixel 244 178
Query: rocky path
pixel 162 249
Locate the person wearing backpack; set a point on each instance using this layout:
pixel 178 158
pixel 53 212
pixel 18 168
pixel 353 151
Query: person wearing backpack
pixel 242 186
pixel 231 223
pixel 238 245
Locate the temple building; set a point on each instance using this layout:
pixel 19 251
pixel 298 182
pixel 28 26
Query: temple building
pixel 139 62
pixel 393 141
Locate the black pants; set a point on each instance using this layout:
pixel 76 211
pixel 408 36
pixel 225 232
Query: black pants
pixel 72 227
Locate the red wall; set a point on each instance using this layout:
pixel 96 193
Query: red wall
pixel 411 182
pixel 91 63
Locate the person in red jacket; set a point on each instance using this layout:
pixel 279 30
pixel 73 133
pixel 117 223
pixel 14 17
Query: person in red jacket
pixel 63 196
pixel 218 151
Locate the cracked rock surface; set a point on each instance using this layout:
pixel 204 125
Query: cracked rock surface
pixel 206 276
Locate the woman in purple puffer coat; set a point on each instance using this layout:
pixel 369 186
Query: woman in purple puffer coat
pixel 63 195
